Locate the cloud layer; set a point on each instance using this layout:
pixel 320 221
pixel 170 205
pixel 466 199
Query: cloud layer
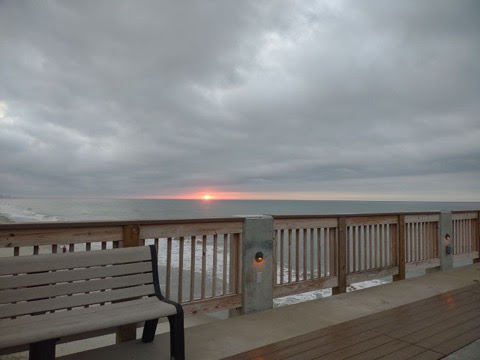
pixel 279 99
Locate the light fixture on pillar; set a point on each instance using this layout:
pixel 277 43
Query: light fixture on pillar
pixel 259 257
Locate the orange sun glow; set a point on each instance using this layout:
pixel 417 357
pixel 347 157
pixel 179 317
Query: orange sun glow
pixel 207 197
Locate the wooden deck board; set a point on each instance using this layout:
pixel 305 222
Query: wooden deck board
pixel 381 351
pixel 427 329
pixel 342 348
pixel 404 353
pixel 427 355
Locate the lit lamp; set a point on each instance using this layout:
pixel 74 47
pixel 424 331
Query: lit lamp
pixel 259 257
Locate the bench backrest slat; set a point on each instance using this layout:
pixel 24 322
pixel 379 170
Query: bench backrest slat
pixel 32 307
pixel 39 292
pixel 53 277
pixel 29 264
pixel 55 282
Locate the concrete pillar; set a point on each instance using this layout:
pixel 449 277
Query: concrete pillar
pixel 445 240
pixel 257 278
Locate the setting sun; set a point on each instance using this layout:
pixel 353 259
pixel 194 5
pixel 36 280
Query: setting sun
pixel 207 197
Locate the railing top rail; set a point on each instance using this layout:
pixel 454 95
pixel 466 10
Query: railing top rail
pixel 85 224
pixel 464 211
pixel 310 216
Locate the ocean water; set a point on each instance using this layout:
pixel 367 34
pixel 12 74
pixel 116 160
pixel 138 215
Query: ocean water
pixel 34 210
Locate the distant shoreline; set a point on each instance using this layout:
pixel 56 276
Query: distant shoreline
pixel 5 220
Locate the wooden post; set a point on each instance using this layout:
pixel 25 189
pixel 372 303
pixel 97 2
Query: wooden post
pixel 401 249
pixel 131 235
pixel 131 238
pixel 342 257
pixel 235 273
pixel 477 233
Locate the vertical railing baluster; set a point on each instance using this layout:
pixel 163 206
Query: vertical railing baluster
pixel 428 255
pixel 204 266
pixel 422 240
pixel 275 257
pixel 370 248
pixel 363 237
pixel 408 247
pixel 319 253
pixel 459 249
pixel 354 248
pixel 214 268
pixel 297 255
pixel 468 235
pixel 193 240
pixel 225 266
pixel 168 272
pixel 340 237
pixel 289 255
pixel 418 241
pixel 347 249
pixel 282 234
pixel 401 244
pixel 312 264
pixel 326 255
pixel 381 240
pixel 238 262
pixel 181 247
pixel 333 252
pixel 304 254
pixel 392 232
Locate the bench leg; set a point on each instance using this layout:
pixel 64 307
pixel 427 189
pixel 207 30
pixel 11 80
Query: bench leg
pixel 177 343
pixel 149 330
pixel 43 350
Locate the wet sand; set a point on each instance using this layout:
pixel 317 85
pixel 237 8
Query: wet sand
pixel 5 220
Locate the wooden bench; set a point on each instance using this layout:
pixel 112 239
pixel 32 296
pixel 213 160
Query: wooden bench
pixel 46 298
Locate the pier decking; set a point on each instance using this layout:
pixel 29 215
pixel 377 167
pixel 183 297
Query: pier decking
pixel 209 265
pixel 428 317
pixel 425 329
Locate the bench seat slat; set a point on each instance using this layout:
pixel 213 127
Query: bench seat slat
pixel 33 293
pixel 74 301
pixel 10 282
pixel 37 263
pixel 82 320
pixel 32 320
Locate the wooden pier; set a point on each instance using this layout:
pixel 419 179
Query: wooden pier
pixel 203 265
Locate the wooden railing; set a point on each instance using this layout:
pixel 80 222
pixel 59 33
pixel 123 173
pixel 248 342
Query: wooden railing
pixel 465 231
pixel 307 257
pixel 372 243
pixel 199 262
pixel 305 254
pixel 200 259
pixel 421 241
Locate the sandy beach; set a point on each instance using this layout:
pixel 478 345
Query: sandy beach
pixel 4 220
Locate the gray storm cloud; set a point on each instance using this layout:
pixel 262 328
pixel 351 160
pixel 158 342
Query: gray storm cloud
pixel 120 98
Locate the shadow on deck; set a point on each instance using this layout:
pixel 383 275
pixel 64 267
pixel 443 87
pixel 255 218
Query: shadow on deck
pixel 427 317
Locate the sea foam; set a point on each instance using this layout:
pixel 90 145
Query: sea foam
pixel 16 214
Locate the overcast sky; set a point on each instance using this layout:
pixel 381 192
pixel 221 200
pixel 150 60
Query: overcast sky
pixel 374 100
